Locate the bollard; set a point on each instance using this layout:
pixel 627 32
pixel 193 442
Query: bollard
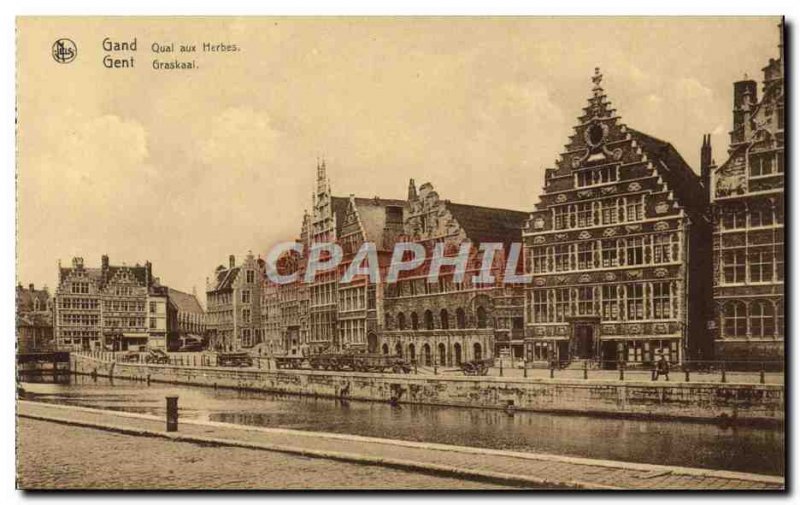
pixel 686 371
pixel 585 370
pixel 172 413
pixel 501 368
pixel 724 377
pixel 525 369
pixel 435 370
pixel 148 379
pixel 622 370
pixel 761 377
pixel 415 367
pixel 552 371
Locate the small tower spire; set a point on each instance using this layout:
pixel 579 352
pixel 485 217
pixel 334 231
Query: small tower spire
pixel 412 190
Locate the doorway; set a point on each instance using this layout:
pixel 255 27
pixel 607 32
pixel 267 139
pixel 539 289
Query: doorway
pixel 584 341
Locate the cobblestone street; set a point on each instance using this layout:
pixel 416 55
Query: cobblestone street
pixel 117 461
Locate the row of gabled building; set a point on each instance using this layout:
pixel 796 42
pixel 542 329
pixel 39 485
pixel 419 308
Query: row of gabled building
pixel 633 254
pixel 113 307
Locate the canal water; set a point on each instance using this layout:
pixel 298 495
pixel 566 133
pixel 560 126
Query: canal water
pixel 747 449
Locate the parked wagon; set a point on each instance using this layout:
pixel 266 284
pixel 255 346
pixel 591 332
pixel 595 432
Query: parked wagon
pixel 359 362
pixel 477 367
pixel 290 362
pixel 157 356
pixel 234 359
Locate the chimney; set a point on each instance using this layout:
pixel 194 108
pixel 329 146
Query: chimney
pixel 104 262
pixel 30 287
pixel 705 161
pixel 148 273
pixel 232 261
pixel 412 190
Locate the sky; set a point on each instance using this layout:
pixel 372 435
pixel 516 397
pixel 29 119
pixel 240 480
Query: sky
pixel 183 168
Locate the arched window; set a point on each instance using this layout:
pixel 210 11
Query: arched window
pixel 385 349
pixel 442 355
pixel 481 312
pixel 401 321
pixel 387 321
pixel 414 321
pixel 426 355
pixel 476 351
pixel 398 349
pixel 461 318
pixel 445 318
pixel 457 354
pixel 734 319
pixel 412 352
pixel 428 320
pixel 762 319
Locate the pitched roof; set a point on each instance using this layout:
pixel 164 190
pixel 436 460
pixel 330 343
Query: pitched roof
pixel 185 302
pixel 486 224
pixel 27 296
pixel 224 279
pixel 679 176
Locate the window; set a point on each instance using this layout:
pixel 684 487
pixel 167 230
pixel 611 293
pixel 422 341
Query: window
pixel 152 323
pixel 779 312
pixel 662 248
pixel 246 296
pixel 734 217
pixel 662 308
pixel 634 208
pixel 539 306
pixel 539 260
pixel 562 304
pixel 561 257
pixel 734 319
pixel 428 320
pixel 761 215
pixel 585 255
pixel 246 315
pixel 251 276
pixel 585 301
pixel 762 164
pixel 610 303
pixel 445 319
pixel 760 265
pixel 585 215
pixel 152 307
pixel 481 313
pixel 779 264
pixel 762 319
pixel 401 321
pixel 461 318
pixel 634 254
pixel 414 321
pixel 596 176
pixel 609 211
pixel 561 217
pixel 609 252
pixel 635 301
pixel 733 266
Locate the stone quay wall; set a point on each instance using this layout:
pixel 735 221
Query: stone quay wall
pixel 739 403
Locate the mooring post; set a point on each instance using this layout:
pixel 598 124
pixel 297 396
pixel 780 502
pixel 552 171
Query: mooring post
pixel 761 375
pixel 585 370
pixel 622 370
pixel 552 370
pixel 724 377
pixel 525 369
pixel 686 371
pixel 172 413
pixel 501 367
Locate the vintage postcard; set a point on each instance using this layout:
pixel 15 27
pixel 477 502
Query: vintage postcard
pixel 441 253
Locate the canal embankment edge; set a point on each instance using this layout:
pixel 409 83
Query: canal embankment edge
pixel 730 403
pixel 449 460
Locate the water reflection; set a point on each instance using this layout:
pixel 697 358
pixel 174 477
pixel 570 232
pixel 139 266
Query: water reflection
pixel 672 443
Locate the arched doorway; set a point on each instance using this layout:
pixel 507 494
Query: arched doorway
pixel 457 354
pixel 398 349
pixel 372 343
pixel 442 355
pixel 476 351
pixel 426 354
pixel 385 349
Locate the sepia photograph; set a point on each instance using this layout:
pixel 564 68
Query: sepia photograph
pixel 400 253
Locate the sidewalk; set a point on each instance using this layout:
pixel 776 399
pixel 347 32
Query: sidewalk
pixel 502 467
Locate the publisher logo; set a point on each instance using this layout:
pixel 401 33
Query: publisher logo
pixel 64 51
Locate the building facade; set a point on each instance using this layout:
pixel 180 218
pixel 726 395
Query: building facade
pixel 747 196
pixel 448 321
pixel 233 298
pixel 103 308
pixel 34 319
pixel 617 247
pixel 186 319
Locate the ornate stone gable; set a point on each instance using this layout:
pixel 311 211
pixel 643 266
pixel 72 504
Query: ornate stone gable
pixel 429 219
